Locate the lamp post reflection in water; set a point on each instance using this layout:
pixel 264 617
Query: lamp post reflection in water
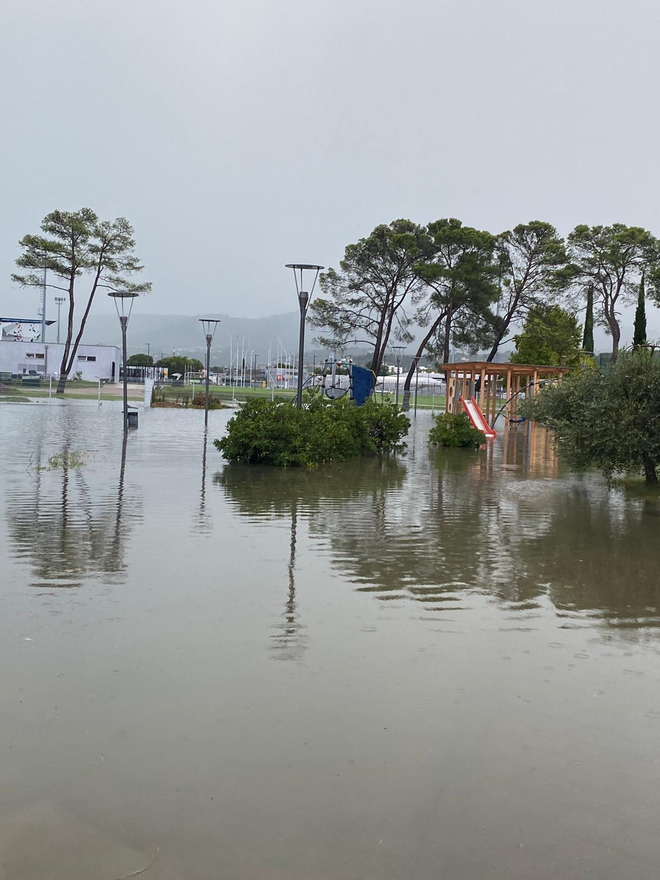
pixel 115 550
pixel 288 642
pixel 204 523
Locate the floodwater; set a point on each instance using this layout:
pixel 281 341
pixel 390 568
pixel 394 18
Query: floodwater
pixel 441 666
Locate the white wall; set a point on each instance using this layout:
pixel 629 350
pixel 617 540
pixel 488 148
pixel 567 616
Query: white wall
pixel 14 358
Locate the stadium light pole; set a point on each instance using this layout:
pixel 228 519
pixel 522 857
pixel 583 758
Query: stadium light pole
pixel 209 325
pixel 124 304
pixel 304 297
pixel 398 351
pixel 59 300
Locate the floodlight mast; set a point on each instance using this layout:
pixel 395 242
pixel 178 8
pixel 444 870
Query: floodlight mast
pixel 209 326
pixel 304 297
pixel 398 350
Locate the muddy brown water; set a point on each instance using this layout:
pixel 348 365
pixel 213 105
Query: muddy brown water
pixel 441 666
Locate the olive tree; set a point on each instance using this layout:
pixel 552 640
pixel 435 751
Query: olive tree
pixel 607 420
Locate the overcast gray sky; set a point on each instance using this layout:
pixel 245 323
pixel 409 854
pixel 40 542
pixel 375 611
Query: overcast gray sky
pixel 237 135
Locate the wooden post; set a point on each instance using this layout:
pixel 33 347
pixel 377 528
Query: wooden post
pixel 482 390
pixel 507 411
pixel 494 403
pixel 487 401
pixel 514 395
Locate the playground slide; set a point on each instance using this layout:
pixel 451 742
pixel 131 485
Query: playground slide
pixel 477 418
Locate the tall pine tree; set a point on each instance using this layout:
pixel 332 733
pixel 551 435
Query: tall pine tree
pixel 588 337
pixel 639 334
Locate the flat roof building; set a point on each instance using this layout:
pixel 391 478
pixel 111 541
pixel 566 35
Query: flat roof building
pixel 92 361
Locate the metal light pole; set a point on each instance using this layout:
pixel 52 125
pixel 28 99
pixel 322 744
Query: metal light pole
pixel 43 305
pixel 59 300
pixel 398 351
pixel 209 325
pixel 304 297
pixel 124 305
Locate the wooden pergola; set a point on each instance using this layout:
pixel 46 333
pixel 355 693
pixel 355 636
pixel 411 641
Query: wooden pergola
pixel 480 379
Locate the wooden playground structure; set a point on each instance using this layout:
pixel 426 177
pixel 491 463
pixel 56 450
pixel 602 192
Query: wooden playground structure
pixel 481 380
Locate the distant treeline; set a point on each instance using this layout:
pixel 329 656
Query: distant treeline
pixel 467 288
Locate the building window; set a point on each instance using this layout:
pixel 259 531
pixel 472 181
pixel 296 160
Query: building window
pixel 91 357
pixel 29 355
pixel 39 356
pixel 82 357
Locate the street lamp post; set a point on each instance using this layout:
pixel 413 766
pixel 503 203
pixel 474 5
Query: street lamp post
pixel 59 300
pixel 209 325
pixel 398 351
pixel 304 298
pixel 124 305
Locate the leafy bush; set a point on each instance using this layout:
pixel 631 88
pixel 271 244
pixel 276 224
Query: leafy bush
pixel 267 432
pixel 199 400
pixel 608 420
pixel 455 430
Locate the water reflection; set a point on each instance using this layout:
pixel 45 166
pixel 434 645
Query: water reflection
pixel 296 494
pixel 461 526
pixel 288 641
pixel 66 525
pixel 203 519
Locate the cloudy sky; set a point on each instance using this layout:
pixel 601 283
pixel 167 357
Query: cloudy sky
pixel 237 135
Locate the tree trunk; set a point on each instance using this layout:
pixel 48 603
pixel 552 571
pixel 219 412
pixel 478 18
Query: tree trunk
pixel 650 473
pixel 446 350
pixel 64 371
pixel 615 330
pixel 498 342
pixel 415 362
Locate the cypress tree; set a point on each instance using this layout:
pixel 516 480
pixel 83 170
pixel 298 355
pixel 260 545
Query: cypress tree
pixel 639 334
pixel 588 337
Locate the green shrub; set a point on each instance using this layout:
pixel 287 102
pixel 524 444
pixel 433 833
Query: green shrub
pixel 276 433
pixel 455 430
pixel 607 420
pixel 199 400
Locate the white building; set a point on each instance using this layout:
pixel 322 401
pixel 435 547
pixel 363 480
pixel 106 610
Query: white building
pixel 92 361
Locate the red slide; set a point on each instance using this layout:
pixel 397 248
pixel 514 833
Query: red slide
pixel 475 415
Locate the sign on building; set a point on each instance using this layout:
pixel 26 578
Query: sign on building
pixel 21 331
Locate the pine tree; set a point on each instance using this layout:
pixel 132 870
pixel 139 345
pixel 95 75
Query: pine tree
pixel 639 334
pixel 588 337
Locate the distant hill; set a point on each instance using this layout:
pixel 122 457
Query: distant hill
pixel 183 334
